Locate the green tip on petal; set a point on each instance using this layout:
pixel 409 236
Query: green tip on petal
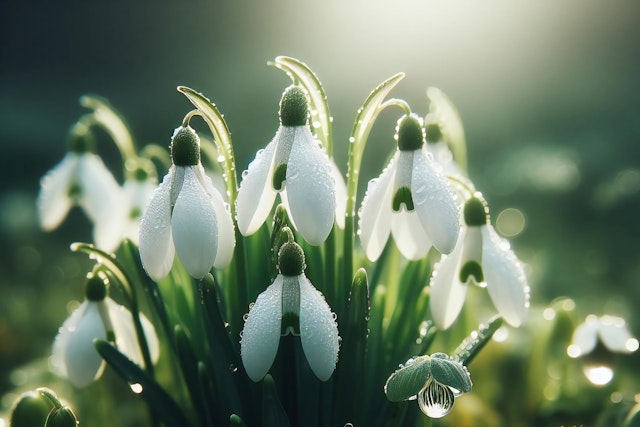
pixel 291 259
pixel 410 133
pixel 279 175
pixel 185 147
pixel 475 212
pixel 471 268
pixel 81 140
pixel 403 197
pixel 294 107
pixel 95 289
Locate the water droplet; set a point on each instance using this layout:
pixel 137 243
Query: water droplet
pixel 435 400
pixel 292 172
pixel 316 124
pixel 233 368
pixel 420 195
pixel 352 140
pixel 220 158
pixel 136 388
pixel 598 374
pixel 245 173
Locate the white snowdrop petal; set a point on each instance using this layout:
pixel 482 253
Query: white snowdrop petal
pixel 505 277
pixel 226 233
pixel 125 332
pixel 375 212
pixel 138 195
pixel 614 334
pixel 256 193
pixel 194 226
pixel 108 231
pixel 341 194
pixel 318 331
pixel 261 333
pixel 310 188
pixel 82 361
pixel 53 200
pixel 156 243
pixel 585 337
pixel 435 203
pixel 447 293
pixel 100 191
pixel 410 237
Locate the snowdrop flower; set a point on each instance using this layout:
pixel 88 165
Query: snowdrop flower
pixel 98 317
pixel 81 179
pixel 186 215
pixel 411 199
pixel 481 256
pixel 290 305
pixel 296 166
pixel 435 381
pixel 610 331
pixel 439 149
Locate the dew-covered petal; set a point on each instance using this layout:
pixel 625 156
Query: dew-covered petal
pixel 74 355
pixel 261 333
pixel 125 332
pixel 447 292
pixel 375 212
pixel 226 233
pixel 341 194
pixel 505 277
pixel 585 337
pixel 156 242
pixel 318 331
pixel 194 226
pixel 435 203
pixel 614 334
pixel 256 193
pixel 410 237
pixel 53 200
pixel 310 188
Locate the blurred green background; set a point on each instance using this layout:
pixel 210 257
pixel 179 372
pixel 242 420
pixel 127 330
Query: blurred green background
pixel 548 92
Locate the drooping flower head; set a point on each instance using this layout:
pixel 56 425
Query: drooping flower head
pixel 411 200
pixel 186 215
pixel 482 257
pixel 290 305
pixel 80 179
pixel 98 317
pixel 435 381
pixel 295 165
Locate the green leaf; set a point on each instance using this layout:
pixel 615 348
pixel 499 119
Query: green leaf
pixel 471 346
pixel 273 413
pixel 320 119
pixel 236 421
pixel 156 397
pixel 450 373
pixel 407 381
pixel 189 367
pixel 108 260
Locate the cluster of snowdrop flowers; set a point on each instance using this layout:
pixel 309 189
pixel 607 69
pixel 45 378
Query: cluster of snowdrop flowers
pixel 315 302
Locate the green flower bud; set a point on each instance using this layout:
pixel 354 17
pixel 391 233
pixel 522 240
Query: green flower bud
pixel 95 289
pixel 185 147
pixel 81 140
pixel 291 259
pixel 294 107
pixel 410 133
pixel 31 410
pixel 475 212
pixel 62 417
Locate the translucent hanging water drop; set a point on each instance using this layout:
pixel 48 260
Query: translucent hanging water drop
pixel 435 400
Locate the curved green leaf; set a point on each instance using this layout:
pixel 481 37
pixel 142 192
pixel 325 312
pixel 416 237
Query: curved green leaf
pixel 156 397
pixel 407 381
pixel 471 346
pixel 320 117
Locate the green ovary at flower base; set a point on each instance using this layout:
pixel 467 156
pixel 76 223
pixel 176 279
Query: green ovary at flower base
pixel 295 165
pixel 411 200
pixel 482 257
pixel 186 215
pixel 290 305
pixel 98 317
